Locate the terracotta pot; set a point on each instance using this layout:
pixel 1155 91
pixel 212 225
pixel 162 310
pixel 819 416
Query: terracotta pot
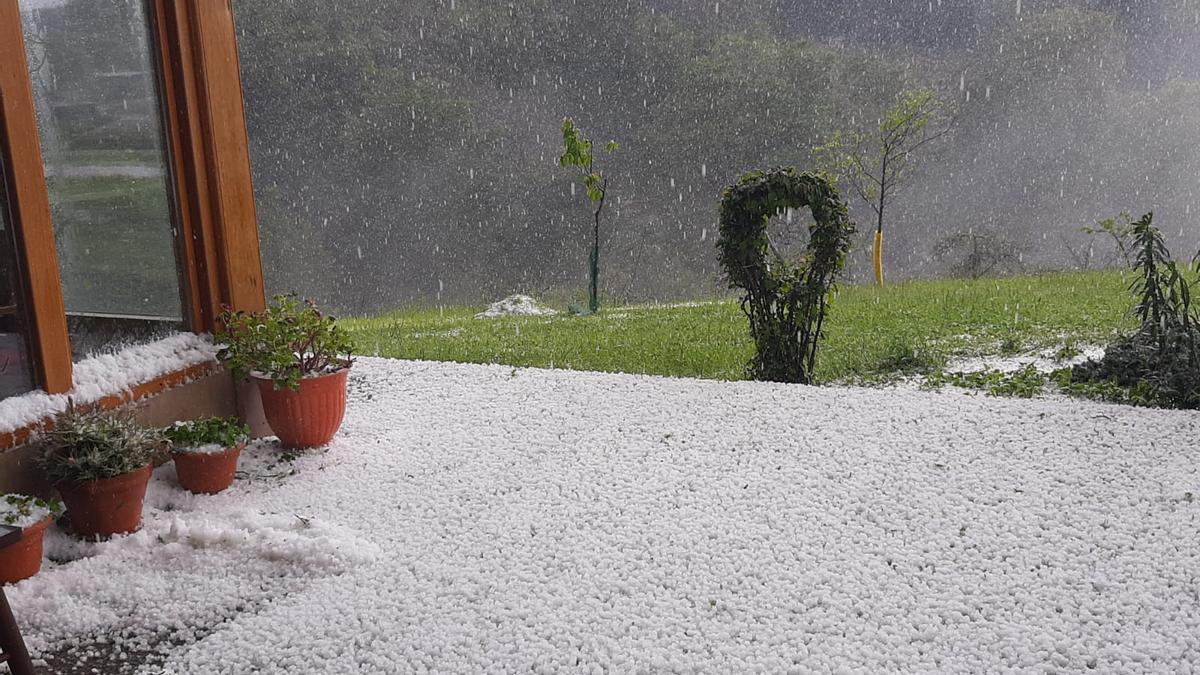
pixel 207 474
pixel 309 417
pixel 24 558
pixel 107 506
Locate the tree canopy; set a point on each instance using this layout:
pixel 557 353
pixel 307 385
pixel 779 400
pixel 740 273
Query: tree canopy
pixel 412 147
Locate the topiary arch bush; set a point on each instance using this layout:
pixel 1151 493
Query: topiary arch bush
pixel 786 301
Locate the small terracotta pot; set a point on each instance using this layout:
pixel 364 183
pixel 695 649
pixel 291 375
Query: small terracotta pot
pixel 309 417
pixel 207 474
pixel 24 558
pixel 102 508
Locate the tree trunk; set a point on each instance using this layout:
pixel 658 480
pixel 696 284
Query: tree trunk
pixel 879 257
pixel 594 286
pixel 883 191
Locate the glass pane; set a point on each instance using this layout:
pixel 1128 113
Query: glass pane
pixel 15 377
pixel 95 85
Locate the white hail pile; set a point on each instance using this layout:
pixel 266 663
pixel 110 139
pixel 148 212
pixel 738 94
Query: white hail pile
pixel 479 519
pixel 1045 361
pixel 515 305
pixel 106 374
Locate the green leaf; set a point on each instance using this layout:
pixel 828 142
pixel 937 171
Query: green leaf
pixel 227 432
pixel 288 340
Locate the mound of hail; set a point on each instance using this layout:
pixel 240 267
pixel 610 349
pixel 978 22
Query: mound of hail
pixel 479 519
pixel 515 305
pixel 1045 361
pixel 104 374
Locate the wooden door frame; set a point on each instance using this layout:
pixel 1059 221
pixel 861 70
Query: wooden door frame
pixel 206 129
pixel 30 207
pixel 204 124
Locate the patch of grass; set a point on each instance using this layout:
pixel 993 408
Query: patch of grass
pixel 709 341
pixel 1027 382
pixel 1104 390
pixel 1069 350
pixel 901 356
pixel 907 328
pixel 1011 345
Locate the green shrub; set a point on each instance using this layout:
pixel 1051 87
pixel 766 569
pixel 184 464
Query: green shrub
pixel 285 343
pixel 227 432
pixel 787 301
pixel 1160 362
pixel 1029 382
pixel 90 446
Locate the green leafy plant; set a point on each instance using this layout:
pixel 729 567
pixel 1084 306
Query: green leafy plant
pixel 286 342
pixel 1103 390
pixel 227 432
pixel 1025 382
pixel 90 446
pixel 22 510
pixel 1029 382
pixel 786 301
pixel 578 152
pixel 1161 360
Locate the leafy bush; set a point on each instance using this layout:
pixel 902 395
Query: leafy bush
pixel 24 511
pixel 285 343
pixel 1161 361
pixel 227 432
pixel 91 446
pixel 786 301
pixel 976 253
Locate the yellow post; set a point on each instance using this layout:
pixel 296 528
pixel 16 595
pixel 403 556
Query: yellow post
pixel 879 257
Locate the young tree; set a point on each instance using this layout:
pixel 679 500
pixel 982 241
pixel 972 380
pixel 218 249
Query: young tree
pixel 878 164
pixel 577 151
pixel 979 252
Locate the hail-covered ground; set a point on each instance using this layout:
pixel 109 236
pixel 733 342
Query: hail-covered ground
pixel 489 519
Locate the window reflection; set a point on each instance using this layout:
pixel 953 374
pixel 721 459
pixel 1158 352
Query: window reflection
pixel 95 86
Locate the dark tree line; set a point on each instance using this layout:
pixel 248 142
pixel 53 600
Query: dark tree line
pixel 405 152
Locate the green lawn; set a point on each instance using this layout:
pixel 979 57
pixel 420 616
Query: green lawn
pixel 872 334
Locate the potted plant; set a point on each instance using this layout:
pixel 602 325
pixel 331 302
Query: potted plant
pixel 100 463
pixel 206 452
pixel 32 515
pixel 299 359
